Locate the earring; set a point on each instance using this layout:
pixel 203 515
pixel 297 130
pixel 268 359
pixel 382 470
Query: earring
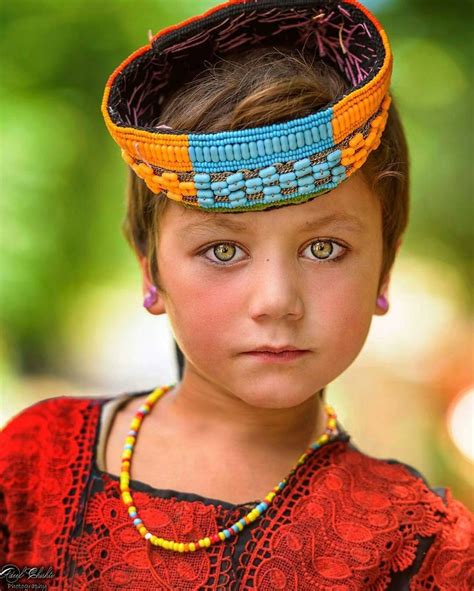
pixel 150 298
pixel 382 302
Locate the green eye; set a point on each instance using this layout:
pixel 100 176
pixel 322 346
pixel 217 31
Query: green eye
pixel 322 249
pixel 224 251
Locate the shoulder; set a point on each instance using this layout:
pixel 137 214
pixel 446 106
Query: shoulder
pixel 53 426
pixel 48 415
pixel 442 526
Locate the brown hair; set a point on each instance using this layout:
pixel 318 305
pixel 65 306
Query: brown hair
pixel 258 87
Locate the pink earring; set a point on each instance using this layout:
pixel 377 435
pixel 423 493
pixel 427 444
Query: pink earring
pixel 150 298
pixel 382 302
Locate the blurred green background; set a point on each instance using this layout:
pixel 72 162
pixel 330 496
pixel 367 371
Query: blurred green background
pixel 70 288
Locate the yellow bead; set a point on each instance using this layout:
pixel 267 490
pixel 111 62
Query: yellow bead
pixel 130 439
pixel 127 499
pixel 192 546
pixel 181 547
pixel 127 454
pixel 135 424
pixel 175 546
pixel 165 544
pixel 143 530
pixel 240 527
pixel 221 536
pixel 132 509
pixel 207 542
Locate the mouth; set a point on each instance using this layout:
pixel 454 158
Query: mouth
pixel 277 354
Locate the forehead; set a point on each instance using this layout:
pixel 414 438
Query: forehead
pixel 351 203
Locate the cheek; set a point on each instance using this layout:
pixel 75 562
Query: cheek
pixel 342 312
pixel 200 311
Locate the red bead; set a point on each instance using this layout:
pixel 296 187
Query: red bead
pixel 215 538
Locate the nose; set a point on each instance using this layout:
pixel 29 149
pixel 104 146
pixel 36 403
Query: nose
pixel 274 290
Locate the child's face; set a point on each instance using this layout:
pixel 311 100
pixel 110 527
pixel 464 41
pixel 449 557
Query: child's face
pixel 270 288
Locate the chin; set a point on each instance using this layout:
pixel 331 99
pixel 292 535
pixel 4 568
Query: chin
pixel 276 396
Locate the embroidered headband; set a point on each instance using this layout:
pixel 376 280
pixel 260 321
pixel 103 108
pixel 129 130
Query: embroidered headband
pixel 266 166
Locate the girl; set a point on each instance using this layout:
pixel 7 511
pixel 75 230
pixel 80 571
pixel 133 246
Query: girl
pixel 240 476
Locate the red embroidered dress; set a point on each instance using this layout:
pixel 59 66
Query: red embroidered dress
pixel 345 522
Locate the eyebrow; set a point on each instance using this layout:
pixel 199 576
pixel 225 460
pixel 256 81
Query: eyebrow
pixel 338 220
pixel 213 223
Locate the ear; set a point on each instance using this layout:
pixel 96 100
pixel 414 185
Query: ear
pixel 383 291
pixel 159 306
pixel 379 310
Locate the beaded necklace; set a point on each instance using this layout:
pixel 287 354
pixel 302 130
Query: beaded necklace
pixel 331 431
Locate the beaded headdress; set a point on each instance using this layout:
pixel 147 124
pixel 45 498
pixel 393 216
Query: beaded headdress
pixel 270 165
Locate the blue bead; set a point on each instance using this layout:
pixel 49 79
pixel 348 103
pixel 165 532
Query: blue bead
pixel 261 148
pixel 268 147
pixel 205 202
pixel 334 157
pixel 254 182
pixel 199 154
pixel 222 192
pixel 284 143
pixel 214 154
pixel 137 521
pixel 237 152
pixel 236 186
pixel 329 128
pixel 245 151
pixel 287 176
pixel 338 170
pixel 229 152
pixel 324 166
pixel 315 134
pixel 204 186
pixel 253 190
pixel 218 185
pixel 205 194
pixel 270 170
pixel 271 179
pixel 307 189
pixel 276 145
pixel 235 528
pixel 308 137
pixel 133 514
pixel 234 178
pixel 242 522
pixel 306 180
pixel 323 132
pixel 207 154
pixel 292 141
pixel 253 149
pixel 222 154
pixel 238 202
pixel 202 177
pixel 271 190
pixel 300 164
pixel 233 195
pixel 304 172
pixel 226 533
pixel 128 446
pixel 300 139
pixel 192 154
pixel 288 184
pixel 321 174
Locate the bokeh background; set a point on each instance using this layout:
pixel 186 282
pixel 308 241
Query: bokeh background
pixel 70 292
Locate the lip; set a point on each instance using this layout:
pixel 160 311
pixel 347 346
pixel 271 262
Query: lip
pixel 273 355
pixel 270 349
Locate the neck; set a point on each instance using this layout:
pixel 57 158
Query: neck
pixel 197 408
